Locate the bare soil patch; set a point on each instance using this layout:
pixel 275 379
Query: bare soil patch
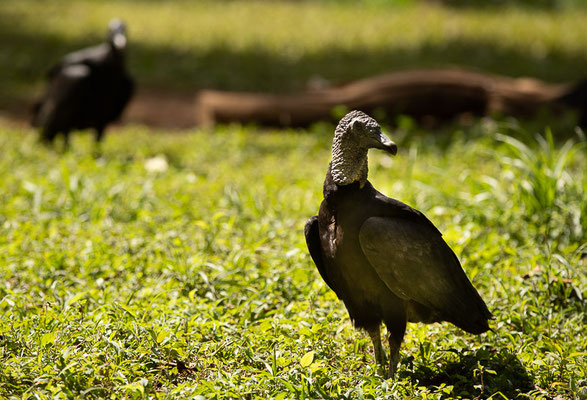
pixel 151 107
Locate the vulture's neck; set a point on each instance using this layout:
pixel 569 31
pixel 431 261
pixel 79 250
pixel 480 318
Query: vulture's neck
pixel 349 162
pixel 117 51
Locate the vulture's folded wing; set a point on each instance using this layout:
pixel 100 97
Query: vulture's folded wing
pixel 67 92
pixel 415 263
pixel 312 234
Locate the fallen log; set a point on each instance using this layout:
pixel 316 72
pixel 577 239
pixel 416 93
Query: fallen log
pixel 429 95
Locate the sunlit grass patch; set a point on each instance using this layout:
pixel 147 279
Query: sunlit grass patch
pixel 175 266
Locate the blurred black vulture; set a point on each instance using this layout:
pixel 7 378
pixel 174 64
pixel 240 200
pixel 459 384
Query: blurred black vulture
pixel 88 89
pixel 576 97
pixel 385 260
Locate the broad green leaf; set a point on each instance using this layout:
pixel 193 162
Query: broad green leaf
pixel 74 299
pixel 162 335
pixel 307 359
pixel 48 338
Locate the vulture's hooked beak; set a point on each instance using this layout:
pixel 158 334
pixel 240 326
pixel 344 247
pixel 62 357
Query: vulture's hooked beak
pixel 385 143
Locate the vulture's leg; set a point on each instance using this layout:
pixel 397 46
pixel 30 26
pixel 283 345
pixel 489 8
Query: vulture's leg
pixel 98 145
pixel 46 138
pixel 65 141
pixel 48 134
pixel 375 334
pixel 396 336
pixel 99 134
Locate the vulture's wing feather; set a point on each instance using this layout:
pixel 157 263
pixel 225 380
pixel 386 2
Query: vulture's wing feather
pixel 415 263
pixel 66 94
pixel 312 233
pixel 90 56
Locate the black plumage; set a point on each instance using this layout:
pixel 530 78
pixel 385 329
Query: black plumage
pixel 385 260
pixel 576 97
pixel 88 89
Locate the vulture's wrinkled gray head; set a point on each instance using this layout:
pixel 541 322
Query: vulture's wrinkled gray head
pixel 355 134
pixel 117 33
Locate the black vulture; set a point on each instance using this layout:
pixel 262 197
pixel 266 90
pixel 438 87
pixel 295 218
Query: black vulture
pixel 88 89
pixel 385 260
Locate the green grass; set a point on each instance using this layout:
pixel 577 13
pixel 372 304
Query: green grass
pixel 128 277
pixel 174 266
pixel 279 46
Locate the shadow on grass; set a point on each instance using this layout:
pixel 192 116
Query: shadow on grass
pixel 478 374
pixel 529 4
pixel 26 56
